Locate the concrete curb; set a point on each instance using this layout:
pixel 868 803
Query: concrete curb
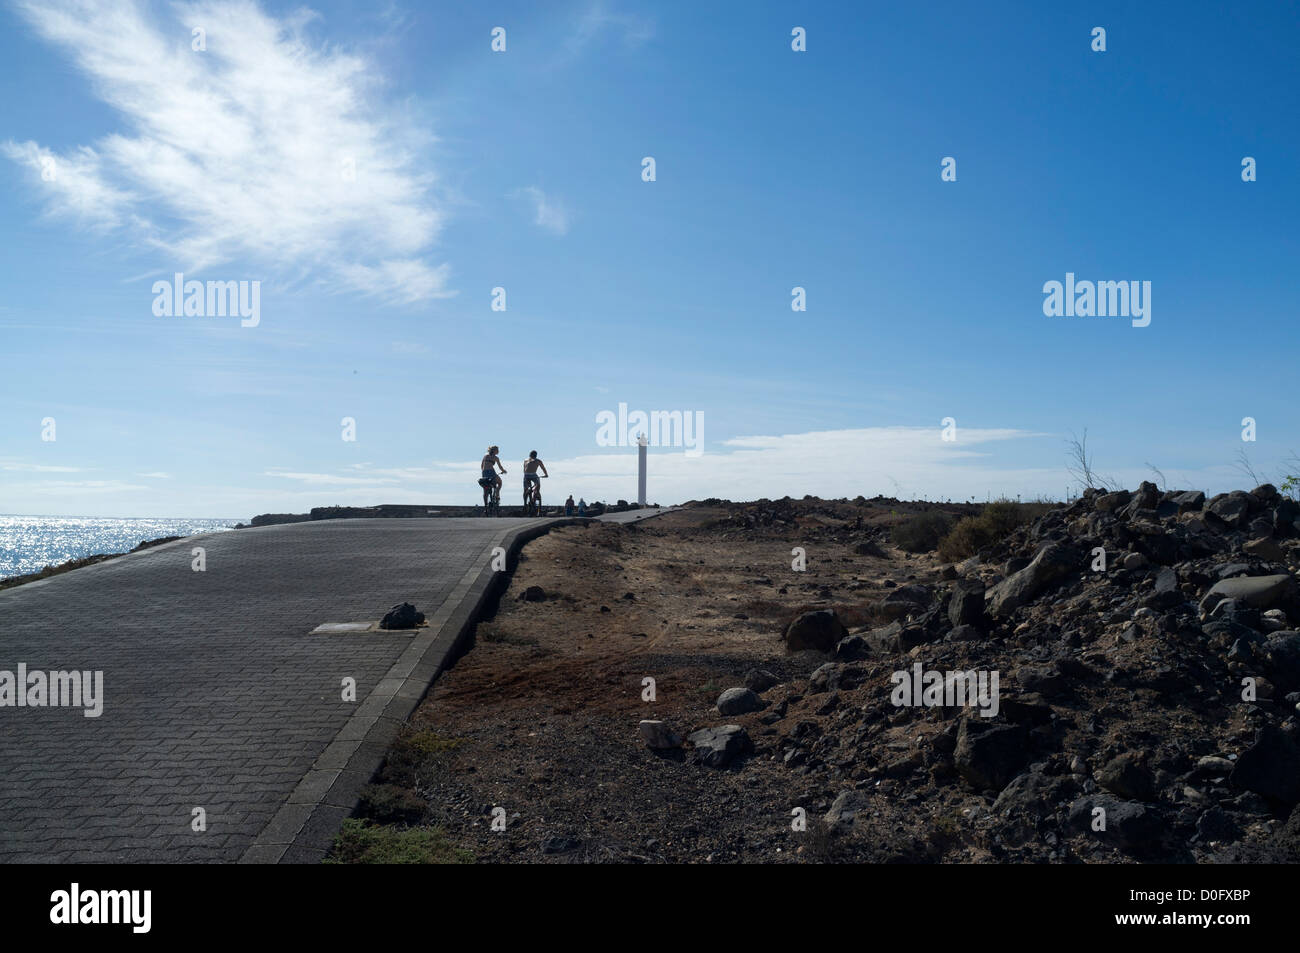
pixel 303 829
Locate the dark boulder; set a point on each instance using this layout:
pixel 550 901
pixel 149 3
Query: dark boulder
pixel 1283 650
pixel 989 756
pixel 820 630
pixel 1285 514
pixel 1231 508
pixel 1188 502
pixel 718 747
pixel 1264 592
pixel 852 648
pixel 739 701
pixel 1053 563
pixel 966 604
pixel 1128 824
pixel 1270 767
pixel 905 601
pixel 1128 777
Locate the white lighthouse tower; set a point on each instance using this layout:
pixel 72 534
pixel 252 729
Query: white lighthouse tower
pixel 640 476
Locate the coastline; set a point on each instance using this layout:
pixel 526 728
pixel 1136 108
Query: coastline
pixel 80 563
pixel 382 511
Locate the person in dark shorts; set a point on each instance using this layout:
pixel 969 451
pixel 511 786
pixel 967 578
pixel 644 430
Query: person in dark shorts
pixel 531 466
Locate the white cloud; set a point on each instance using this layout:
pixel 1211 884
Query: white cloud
pixel 38 468
pixel 243 150
pixel 73 488
pixel 404 281
pixel 549 213
pixel 73 184
pixel 910 461
pixel 329 479
pixel 598 18
pixel 155 476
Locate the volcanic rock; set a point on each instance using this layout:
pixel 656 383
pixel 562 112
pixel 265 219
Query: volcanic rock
pixel 820 630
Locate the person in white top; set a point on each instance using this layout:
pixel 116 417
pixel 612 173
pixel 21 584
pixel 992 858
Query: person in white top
pixel 490 478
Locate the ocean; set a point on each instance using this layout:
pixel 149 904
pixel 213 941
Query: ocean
pixel 30 543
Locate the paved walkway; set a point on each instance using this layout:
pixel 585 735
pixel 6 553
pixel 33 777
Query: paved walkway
pixel 216 696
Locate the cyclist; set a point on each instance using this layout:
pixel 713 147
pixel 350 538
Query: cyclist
pixel 531 466
pixel 490 478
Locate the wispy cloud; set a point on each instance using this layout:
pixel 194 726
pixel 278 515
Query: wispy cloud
pixel 38 468
pixel 74 488
pixel 549 213
pixel 263 147
pixel 155 476
pixel 74 185
pixel 330 479
pixel 599 18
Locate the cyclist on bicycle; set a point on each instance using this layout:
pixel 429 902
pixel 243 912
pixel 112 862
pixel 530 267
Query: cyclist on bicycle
pixel 531 478
pixel 490 478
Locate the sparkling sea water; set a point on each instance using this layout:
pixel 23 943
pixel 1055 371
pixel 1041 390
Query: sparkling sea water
pixel 30 543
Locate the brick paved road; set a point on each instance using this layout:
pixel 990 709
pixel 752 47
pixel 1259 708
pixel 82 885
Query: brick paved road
pixel 215 694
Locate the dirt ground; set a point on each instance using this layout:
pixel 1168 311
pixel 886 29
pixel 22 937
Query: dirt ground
pixel 540 718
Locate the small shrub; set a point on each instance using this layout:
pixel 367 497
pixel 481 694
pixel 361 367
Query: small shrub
pixel 922 533
pixel 391 804
pixel 413 754
pixel 361 842
pixel 430 742
pixel 997 521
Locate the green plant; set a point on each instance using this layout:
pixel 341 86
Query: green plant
pixel 391 804
pixel 921 533
pixel 995 522
pixel 361 842
pixel 430 742
pixel 413 755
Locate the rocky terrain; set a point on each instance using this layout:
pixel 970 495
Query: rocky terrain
pixel 1137 654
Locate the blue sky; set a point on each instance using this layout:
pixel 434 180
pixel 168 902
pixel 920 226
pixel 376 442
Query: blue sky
pixel 522 169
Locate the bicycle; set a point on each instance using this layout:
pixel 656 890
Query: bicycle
pixel 533 497
pixel 493 505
